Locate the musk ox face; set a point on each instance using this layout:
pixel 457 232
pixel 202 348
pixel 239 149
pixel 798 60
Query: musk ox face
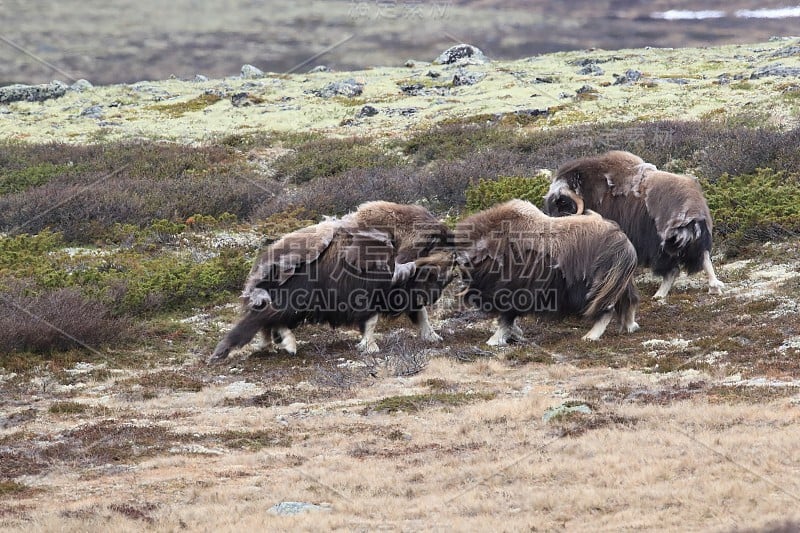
pixel 562 201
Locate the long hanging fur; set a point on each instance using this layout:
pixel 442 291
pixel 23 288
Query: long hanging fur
pixel 385 258
pixel 664 215
pixel 516 261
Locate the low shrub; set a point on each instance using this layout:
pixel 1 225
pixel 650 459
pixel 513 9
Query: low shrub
pixel 753 208
pixel 487 193
pixel 321 158
pixel 56 320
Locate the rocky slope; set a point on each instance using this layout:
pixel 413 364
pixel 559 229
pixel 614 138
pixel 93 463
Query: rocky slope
pixel 761 81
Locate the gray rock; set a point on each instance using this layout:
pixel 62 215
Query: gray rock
pixel 787 51
pixel 81 85
pixel 242 100
pixel 319 68
pixel 565 409
pixel 94 111
pixel 348 88
pixel 433 74
pixel 200 78
pixel 462 54
pixel 32 93
pixel 367 111
pixel 591 69
pixel 463 77
pixel 249 71
pixel 295 508
pixel 586 89
pixel 775 70
pixel 630 76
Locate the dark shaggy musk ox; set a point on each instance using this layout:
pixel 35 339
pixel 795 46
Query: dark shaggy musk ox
pixel 384 258
pixel 664 215
pixel 516 260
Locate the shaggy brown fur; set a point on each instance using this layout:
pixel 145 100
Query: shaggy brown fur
pixel 516 260
pixel 384 258
pixel 664 215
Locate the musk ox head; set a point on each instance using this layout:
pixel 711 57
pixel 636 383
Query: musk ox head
pixel 586 181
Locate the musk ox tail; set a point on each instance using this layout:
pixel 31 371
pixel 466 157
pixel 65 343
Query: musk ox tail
pixel 613 275
pixel 688 244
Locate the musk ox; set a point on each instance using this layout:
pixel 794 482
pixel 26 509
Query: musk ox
pixel 516 260
pixel 384 258
pixel 664 215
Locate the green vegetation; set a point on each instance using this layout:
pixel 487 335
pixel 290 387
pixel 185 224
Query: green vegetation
pixel 178 109
pixel 417 402
pixel 327 157
pixel 754 208
pixel 67 408
pixel 487 193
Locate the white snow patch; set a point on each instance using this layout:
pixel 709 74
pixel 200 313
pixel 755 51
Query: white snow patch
pixel 769 13
pixel 686 14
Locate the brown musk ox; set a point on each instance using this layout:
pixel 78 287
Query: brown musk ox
pixel 516 260
pixel 665 215
pixel 384 258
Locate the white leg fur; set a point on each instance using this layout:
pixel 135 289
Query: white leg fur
pixel 715 286
pixel 599 327
pixel 425 330
pixel 666 285
pixel 288 340
pixel 505 332
pixel 367 343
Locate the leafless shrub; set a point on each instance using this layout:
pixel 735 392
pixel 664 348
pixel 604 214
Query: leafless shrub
pixel 56 320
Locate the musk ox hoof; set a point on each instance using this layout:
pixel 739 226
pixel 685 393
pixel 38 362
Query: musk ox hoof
pixel 217 358
pixel 497 341
pixel 431 336
pixel 591 337
pixel 716 287
pixel 632 327
pixel 660 298
pixel 365 346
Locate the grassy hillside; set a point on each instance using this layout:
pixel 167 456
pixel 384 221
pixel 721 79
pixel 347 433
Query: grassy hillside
pixel 128 232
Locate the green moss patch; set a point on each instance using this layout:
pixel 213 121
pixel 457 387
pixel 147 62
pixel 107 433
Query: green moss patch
pixel 178 109
pixel 487 193
pixel 417 402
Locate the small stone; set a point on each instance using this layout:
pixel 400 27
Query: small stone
pixel 32 93
pixel 319 68
pixel 367 111
pixel 591 69
pixel 241 100
pixel 81 85
pixel 586 89
pixel 565 409
pixel 462 54
pixel 295 508
pixel 348 88
pixel 200 78
pixel 94 111
pixel 775 70
pixel 433 74
pixel 462 77
pixel 249 72
pixel 630 76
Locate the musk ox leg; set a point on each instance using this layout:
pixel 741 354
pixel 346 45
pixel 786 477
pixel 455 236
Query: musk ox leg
pixel 599 327
pixel 284 338
pixel 507 331
pixel 426 332
pixel 715 286
pixel 368 344
pixel 666 284
pixel 240 335
pixel 629 320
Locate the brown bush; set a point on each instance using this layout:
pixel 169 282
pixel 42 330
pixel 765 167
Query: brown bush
pixel 55 320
